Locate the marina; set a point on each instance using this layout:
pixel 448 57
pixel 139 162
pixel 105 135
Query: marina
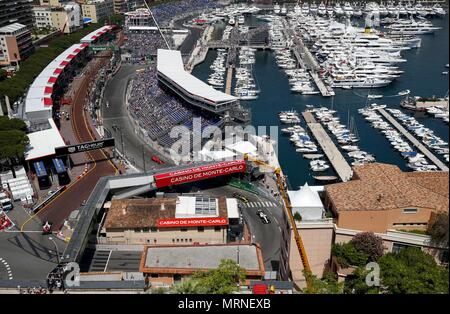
pixel 413 140
pixel 335 157
pixel 275 94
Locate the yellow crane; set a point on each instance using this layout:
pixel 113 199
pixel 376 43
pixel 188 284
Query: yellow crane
pixel 288 208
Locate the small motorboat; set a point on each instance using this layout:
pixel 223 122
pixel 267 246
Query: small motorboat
pixel 404 92
pixel 374 96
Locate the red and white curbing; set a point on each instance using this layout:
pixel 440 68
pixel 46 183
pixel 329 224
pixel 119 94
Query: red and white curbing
pixel 84 171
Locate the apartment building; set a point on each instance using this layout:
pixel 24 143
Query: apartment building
pixel 97 10
pixel 381 197
pixel 43 17
pixel 18 11
pixel 15 43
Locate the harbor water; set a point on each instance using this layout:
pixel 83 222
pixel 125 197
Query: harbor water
pixel 422 76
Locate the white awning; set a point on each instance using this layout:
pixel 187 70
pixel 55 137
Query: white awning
pixel 243 147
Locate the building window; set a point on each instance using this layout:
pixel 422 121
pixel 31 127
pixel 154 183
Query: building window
pixel 444 257
pixel 217 228
pixel 154 229
pixel 177 277
pixel 410 210
pixel 200 229
pixel 183 229
pixel 397 247
pixel 154 275
pixel 190 240
pixel 178 240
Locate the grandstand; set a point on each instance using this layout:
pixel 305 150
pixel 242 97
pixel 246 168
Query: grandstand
pixel 196 92
pixel 157 111
pixel 43 96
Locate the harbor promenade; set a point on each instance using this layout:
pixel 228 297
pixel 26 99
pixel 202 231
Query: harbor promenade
pixel 413 140
pixel 340 165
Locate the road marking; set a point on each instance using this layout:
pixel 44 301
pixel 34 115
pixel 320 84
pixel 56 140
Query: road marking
pixel 8 268
pixel 107 261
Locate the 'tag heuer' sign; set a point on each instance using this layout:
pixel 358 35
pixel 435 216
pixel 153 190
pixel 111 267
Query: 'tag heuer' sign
pixel 192 222
pixel 199 173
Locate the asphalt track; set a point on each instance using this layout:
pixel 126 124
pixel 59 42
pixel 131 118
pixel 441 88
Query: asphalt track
pixel 99 164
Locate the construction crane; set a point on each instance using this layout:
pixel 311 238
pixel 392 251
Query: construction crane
pixel 288 208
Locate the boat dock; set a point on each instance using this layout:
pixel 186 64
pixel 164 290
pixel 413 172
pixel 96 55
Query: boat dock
pixel 229 80
pixel 413 140
pixel 325 90
pixel 307 61
pixel 340 165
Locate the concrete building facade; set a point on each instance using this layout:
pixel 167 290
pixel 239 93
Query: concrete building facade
pixel 43 17
pixel 15 43
pixel 18 11
pixel 98 10
pixel 165 265
pixel 381 197
pixel 171 220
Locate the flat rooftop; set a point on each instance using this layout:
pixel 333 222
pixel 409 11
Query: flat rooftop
pixel 145 213
pixel 187 259
pixel 170 64
pixel 43 143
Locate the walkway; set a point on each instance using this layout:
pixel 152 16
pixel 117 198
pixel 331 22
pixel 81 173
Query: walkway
pixel 340 165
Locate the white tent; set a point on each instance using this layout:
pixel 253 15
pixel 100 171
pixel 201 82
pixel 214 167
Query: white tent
pixel 307 203
pixel 243 147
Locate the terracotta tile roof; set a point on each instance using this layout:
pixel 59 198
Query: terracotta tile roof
pixel 144 213
pixel 379 186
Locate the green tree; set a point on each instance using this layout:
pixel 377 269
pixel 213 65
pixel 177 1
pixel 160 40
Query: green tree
pixel 356 283
pixel 188 286
pixel 13 142
pixel 297 216
pixel 12 124
pixel 2 74
pixel 327 285
pixel 347 255
pixel 438 230
pixel 412 271
pixel 223 280
pixel 370 244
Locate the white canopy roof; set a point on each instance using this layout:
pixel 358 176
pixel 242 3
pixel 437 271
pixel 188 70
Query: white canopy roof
pixel 92 36
pixel 243 147
pixel 216 154
pixel 232 208
pixel 38 96
pixel 305 197
pixel 43 143
pixel 170 64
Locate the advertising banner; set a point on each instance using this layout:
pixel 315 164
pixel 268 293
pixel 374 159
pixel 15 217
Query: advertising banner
pixel 192 222
pixel 199 173
pixel 83 147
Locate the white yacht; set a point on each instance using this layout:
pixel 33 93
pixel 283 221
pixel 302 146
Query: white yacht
pixel 276 8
